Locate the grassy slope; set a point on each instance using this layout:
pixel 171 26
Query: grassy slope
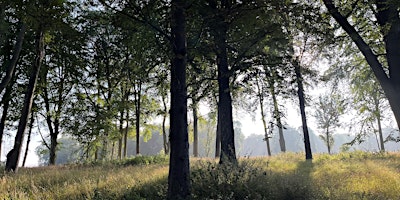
pixel 356 175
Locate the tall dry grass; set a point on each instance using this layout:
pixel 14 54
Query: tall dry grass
pixel 356 175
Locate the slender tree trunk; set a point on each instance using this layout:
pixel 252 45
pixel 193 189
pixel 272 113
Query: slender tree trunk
pixel 178 178
pixel 164 132
pixel 112 149
pixel 121 132
pixel 266 138
pixel 14 155
pixel 29 139
pixel 126 134
pixel 378 120
pixel 6 104
pixel 328 140
pixel 13 62
pixel 300 93
pixel 277 116
pixel 261 101
pixel 137 113
pixel 195 131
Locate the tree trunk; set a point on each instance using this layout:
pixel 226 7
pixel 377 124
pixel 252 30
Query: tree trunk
pixel 6 104
pixel 178 178
pixel 14 155
pixel 300 93
pixel 164 132
pixel 121 132
pixel 138 94
pixel 225 119
pixel 277 116
pixel 13 62
pixel 126 134
pixel 378 120
pixel 328 143
pixel 29 139
pixel 261 101
pixel 195 131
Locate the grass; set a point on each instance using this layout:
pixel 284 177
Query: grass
pixel 356 175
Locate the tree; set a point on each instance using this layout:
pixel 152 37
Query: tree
pixel 178 178
pixel 376 33
pixel 328 110
pixel 300 94
pixel 14 155
pixel 370 102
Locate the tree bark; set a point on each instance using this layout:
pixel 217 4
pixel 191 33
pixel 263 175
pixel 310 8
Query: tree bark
pixel 300 93
pixel 14 155
pixel 178 178
pixel 389 21
pixel 13 62
pixel 195 131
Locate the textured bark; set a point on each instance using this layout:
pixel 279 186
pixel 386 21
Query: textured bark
pixel 389 21
pixel 14 155
pixel 13 62
pixel 300 93
pixel 178 178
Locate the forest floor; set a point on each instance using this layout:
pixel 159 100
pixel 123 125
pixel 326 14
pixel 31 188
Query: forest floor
pixel 356 175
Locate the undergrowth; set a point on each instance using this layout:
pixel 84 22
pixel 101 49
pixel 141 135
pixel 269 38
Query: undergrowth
pixel 356 175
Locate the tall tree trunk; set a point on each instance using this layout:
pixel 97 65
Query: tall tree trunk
pixel 14 155
pixel 13 62
pixel 121 132
pixel 195 131
pixel 126 134
pixel 138 94
pixel 266 138
pixel 225 119
pixel 277 116
pixel 300 93
pixel 178 178
pixel 6 104
pixel 29 139
pixel 260 95
pixel 378 120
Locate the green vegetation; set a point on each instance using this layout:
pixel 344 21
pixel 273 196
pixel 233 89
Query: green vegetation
pixel 355 175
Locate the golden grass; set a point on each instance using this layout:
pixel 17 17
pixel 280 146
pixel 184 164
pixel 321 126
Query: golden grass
pixel 356 175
